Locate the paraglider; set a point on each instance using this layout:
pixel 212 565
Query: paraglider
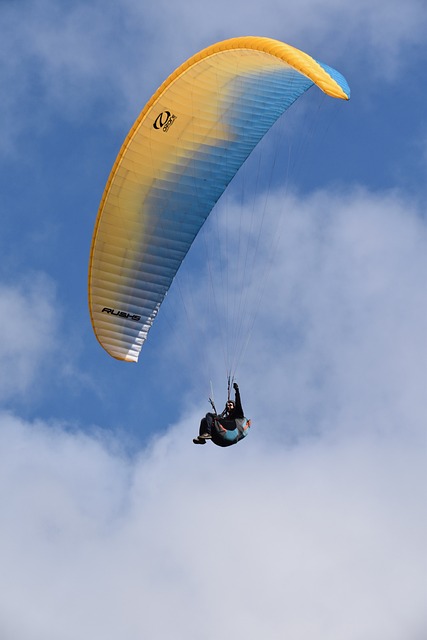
pixel 227 428
pixel 185 147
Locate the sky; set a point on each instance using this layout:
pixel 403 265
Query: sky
pixel 113 524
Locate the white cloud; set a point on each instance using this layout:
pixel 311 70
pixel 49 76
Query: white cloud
pixel 325 539
pixel 352 293
pixel 383 28
pixel 29 319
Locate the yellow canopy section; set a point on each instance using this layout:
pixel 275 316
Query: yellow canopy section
pixel 184 148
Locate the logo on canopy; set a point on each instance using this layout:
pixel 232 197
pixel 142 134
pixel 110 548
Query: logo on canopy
pixel 164 121
pixel 122 314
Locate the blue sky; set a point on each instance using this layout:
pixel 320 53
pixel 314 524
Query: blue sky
pixel 112 520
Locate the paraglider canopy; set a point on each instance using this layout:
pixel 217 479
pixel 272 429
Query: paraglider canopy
pixel 185 147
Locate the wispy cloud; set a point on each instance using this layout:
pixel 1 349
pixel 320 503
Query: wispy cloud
pixel 81 59
pixel 29 333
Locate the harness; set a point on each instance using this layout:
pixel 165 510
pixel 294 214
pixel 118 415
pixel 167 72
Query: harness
pixel 224 434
